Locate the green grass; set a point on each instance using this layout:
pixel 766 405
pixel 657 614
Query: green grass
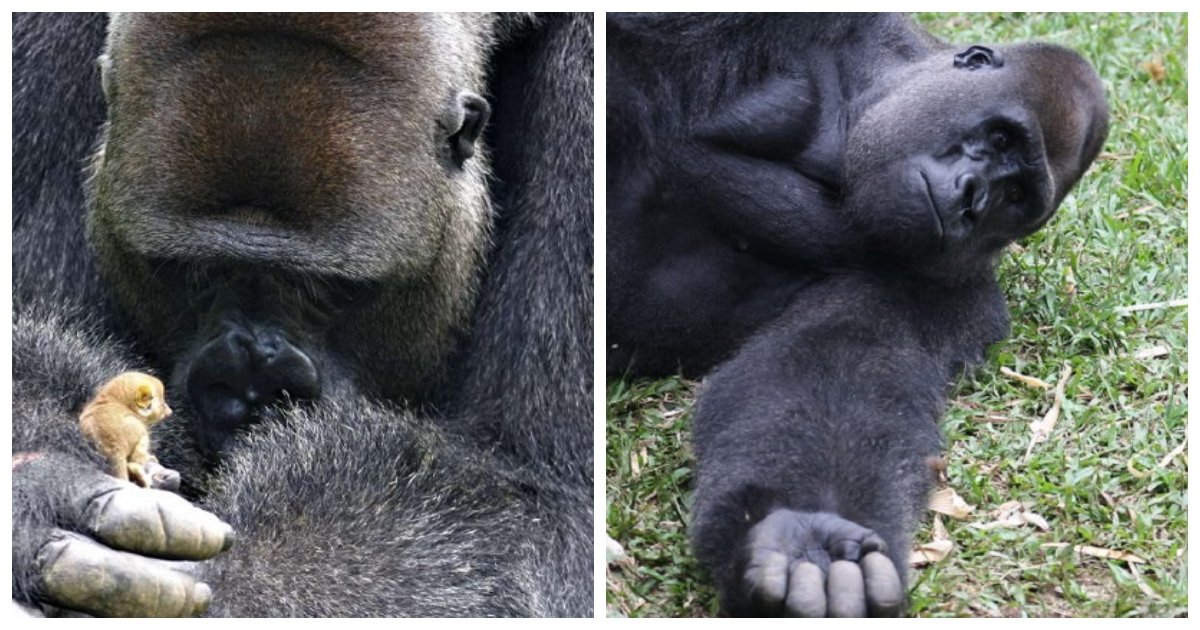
pixel 1119 239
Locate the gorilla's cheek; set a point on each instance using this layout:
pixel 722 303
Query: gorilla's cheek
pixel 894 205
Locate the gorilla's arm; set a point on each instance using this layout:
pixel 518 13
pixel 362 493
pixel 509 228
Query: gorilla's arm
pixel 766 166
pixel 81 539
pixel 811 447
pixel 350 508
pixel 524 385
pixel 71 521
pixel 526 375
pixel 769 208
pixel 58 108
pixel 740 121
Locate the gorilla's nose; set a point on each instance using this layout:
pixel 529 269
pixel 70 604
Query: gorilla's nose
pixel 973 190
pixel 244 368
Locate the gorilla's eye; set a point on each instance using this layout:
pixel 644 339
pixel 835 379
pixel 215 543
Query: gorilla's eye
pixel 999 140
pixel 1015 195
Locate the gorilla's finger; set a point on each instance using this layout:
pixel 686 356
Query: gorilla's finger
pixel 156 523
pixel 845 549
pixel 766 577
pixel 79 574
pixel 806 591
pixel 874 543
pixel 885 596
pixel 161 477
pixel 844 590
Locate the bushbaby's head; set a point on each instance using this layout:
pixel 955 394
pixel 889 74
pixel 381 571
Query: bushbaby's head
pixel 141 393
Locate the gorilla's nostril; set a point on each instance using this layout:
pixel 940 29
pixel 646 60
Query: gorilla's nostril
pixel 220 405
pixel 973 193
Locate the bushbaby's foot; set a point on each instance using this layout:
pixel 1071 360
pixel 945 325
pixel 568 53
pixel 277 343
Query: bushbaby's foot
pixel 817 564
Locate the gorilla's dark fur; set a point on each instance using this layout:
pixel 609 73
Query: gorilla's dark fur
pixel 815 204
pixel 377 337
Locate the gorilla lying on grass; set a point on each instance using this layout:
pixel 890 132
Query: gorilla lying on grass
pixel 809 209
pixel 373 316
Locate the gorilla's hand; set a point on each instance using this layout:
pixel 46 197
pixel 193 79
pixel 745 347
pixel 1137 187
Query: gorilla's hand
pixel 805 564
pixel 161 477
pixel 87 542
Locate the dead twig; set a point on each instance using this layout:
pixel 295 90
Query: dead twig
pixel 1041 429
pixel 1149 306
pixel 1031 381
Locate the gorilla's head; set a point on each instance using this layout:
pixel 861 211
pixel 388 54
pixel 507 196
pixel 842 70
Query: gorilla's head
pixel 969 149
pixel 277 194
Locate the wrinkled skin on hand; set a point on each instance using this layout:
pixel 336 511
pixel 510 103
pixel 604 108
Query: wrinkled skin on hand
pixel 802 564
pixel 106 547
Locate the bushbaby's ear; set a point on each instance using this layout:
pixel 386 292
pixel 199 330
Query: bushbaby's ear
pixel 144 396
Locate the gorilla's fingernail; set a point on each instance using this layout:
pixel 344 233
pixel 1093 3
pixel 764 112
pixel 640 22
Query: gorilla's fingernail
pixel 230 536
pixel 201 596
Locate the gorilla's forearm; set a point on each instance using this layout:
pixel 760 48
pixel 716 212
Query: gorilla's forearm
pixel 524 381
pixel 811 442
pixel 768 206
pixel 58 109
pixel 363 510
pixel 58 359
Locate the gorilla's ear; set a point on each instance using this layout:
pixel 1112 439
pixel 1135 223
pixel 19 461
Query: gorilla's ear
pixel 470 115
pixel 977 57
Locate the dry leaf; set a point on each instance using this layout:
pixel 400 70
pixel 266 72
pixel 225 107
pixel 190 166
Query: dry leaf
pixel 1142 586
pixel 946 501
pixel 1125 214
pixel 1041 429
pixel 1162 463
pixel 1031 381
pixel 1152 353
pixel 1098 552
pixel 1014 514
pixel 1070 282
pixel 1155 69
pixel 1122 310
pixel 930 553
pixel 936 549
pixel 1036 520
pixel 939 530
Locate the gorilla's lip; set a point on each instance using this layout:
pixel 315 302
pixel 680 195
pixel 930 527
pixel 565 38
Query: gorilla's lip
pixel 937 216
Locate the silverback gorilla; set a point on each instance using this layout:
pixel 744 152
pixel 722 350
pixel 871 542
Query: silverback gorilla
pixel 372 312
pixel 809 209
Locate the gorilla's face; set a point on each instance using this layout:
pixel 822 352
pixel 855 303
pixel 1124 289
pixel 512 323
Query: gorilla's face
pixel 279 196
pixel 971 149
pixel 329 146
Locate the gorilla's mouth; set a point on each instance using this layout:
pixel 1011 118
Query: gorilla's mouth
pixel 937 216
